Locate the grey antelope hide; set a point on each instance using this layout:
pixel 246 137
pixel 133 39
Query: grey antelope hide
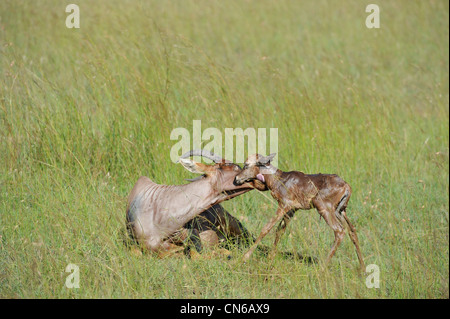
pixel 328 193
pixel 157 214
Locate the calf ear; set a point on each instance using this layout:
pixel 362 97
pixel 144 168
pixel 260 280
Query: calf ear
pixel 271 156
pixel 266 159
pixel 194 167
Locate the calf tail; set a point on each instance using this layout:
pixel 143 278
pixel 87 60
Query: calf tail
pixel 340 209
pixel 342 205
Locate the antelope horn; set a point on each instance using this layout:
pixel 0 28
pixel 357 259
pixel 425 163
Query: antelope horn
pixel 205 153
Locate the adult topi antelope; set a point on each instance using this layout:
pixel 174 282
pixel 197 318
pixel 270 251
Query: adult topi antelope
pixel 328 193
pixel 157 213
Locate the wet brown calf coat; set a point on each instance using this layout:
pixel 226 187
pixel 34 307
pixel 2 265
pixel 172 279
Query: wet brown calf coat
pixel 328 193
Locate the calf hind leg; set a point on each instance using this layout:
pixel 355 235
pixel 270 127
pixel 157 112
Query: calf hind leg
pixel 354 238
pixel 338 229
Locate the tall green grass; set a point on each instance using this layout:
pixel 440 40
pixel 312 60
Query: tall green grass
pixel 84 112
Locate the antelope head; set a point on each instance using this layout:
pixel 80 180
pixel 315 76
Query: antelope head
pixel 255 167
pixel 219 176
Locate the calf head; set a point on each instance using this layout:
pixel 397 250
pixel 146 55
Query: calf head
pixel 255 167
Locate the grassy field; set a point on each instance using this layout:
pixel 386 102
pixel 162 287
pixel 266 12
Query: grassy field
pixel 85 112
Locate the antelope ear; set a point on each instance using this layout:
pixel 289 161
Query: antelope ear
pixel 194 167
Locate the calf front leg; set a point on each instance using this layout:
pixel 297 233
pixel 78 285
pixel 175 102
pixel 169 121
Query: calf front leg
pixel 280 231
pixel 266 229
